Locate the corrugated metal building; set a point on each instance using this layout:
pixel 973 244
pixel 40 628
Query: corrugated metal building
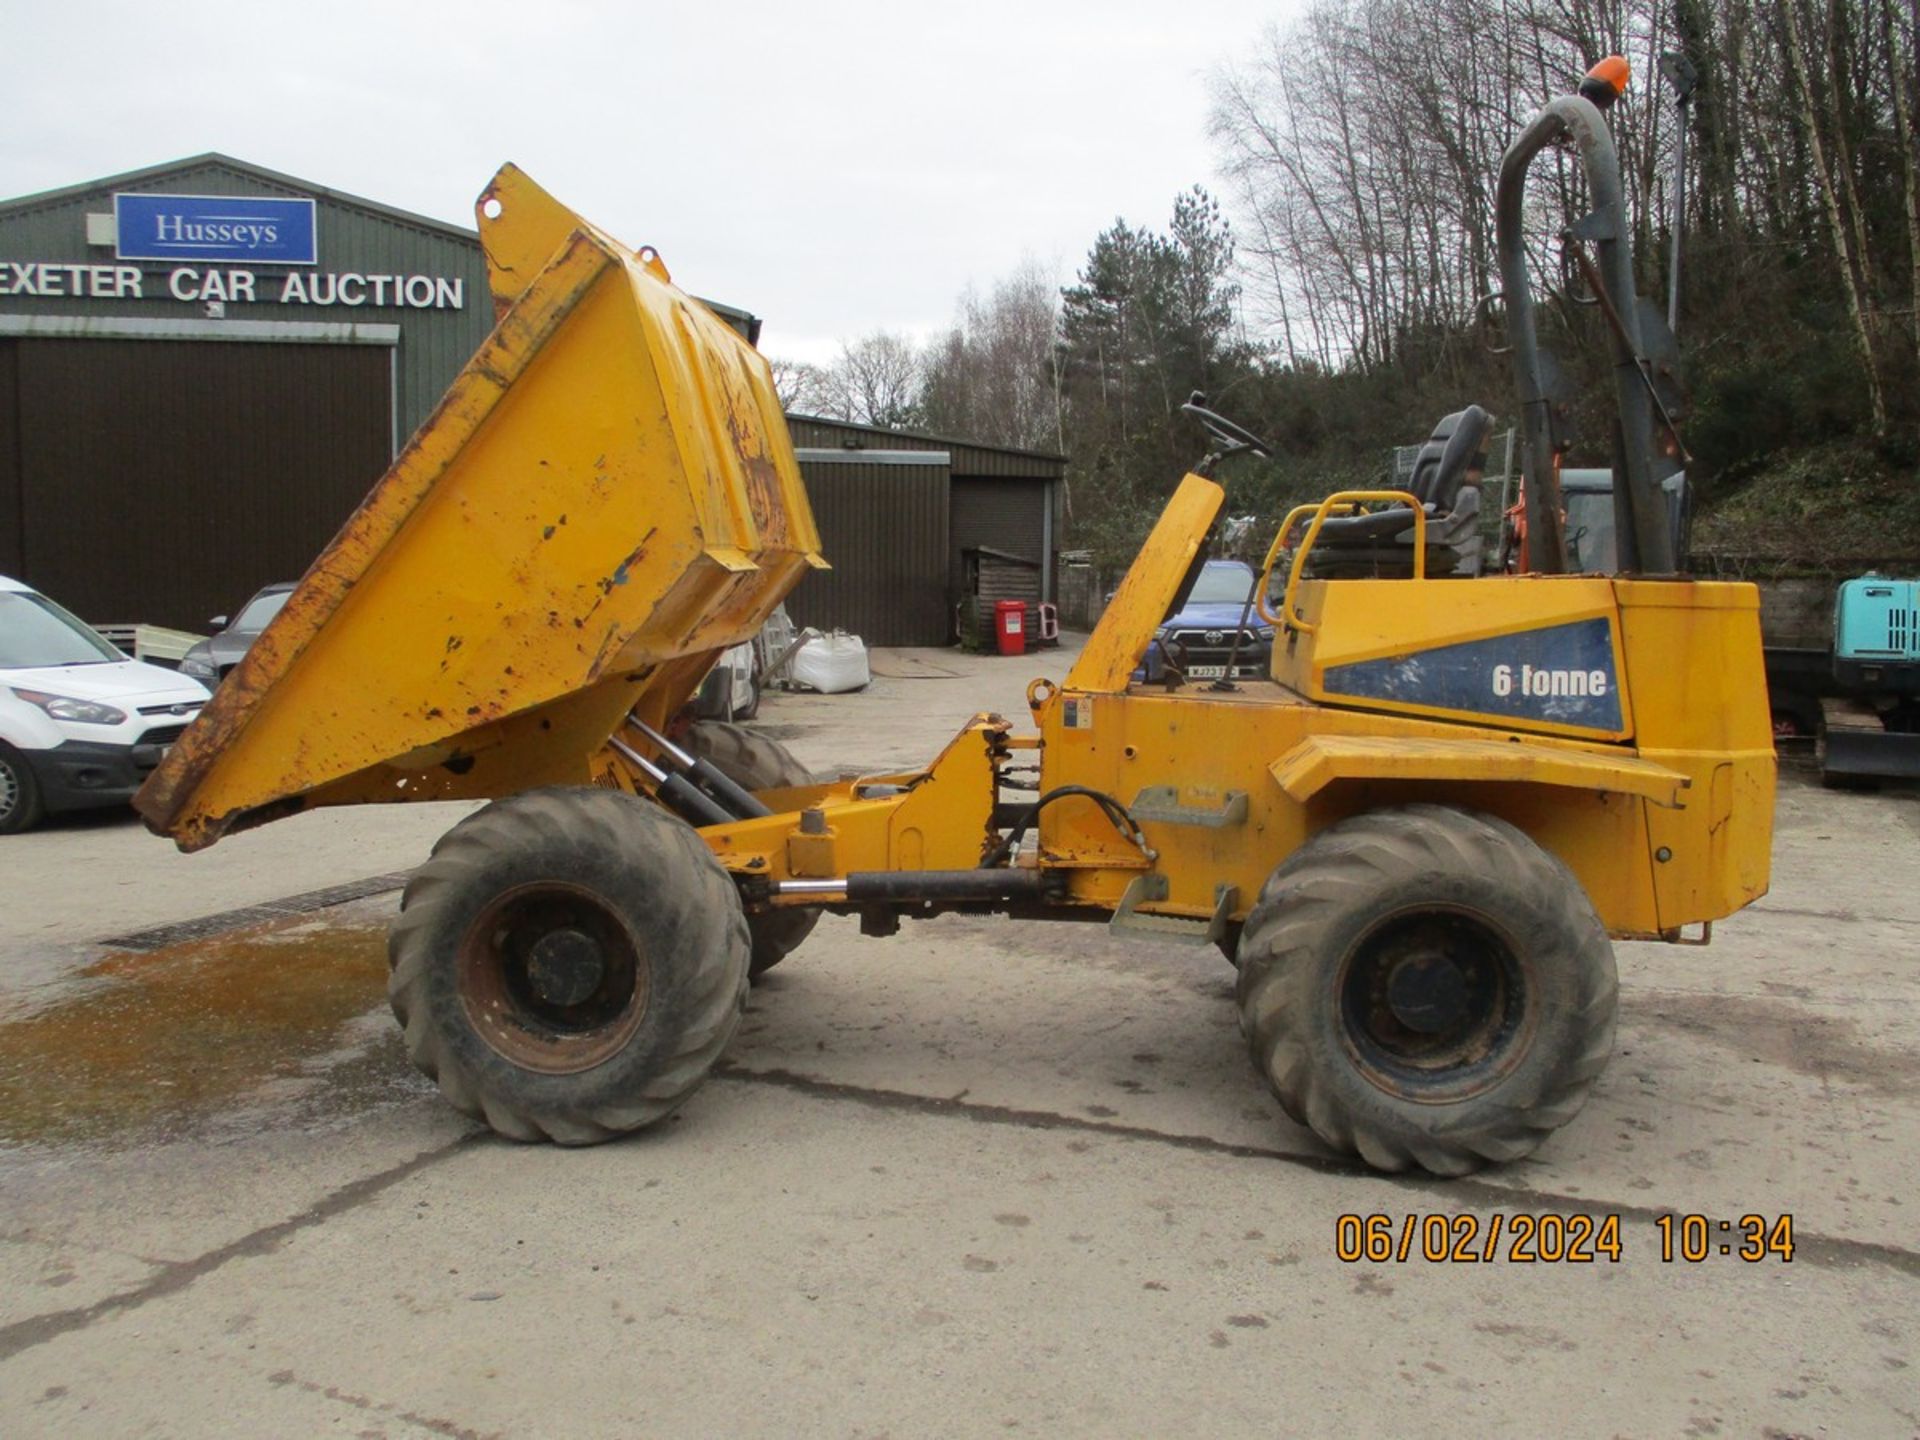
pixel 897 510
pixel 203 368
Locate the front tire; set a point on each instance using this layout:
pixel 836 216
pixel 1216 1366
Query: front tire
pixel 21 806
pixel 1427 987
pixel 569 964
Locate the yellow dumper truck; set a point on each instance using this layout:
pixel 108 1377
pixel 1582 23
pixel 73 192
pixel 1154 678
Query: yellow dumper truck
pixel 1415 837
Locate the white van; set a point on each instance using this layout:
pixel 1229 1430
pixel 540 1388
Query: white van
pixel 81 725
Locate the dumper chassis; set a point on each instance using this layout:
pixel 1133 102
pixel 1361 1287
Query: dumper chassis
pixel 1417 837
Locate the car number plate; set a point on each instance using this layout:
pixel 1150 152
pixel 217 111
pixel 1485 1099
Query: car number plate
pixel 1206 672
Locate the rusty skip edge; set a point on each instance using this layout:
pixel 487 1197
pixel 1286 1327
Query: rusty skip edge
pixel 165 801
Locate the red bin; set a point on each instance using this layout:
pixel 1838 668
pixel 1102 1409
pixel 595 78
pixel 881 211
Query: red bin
pixel 1010 626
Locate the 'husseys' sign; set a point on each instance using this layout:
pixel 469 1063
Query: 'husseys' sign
pixel 276 231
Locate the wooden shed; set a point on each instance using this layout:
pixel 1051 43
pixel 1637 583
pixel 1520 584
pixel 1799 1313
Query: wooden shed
pixel 989 576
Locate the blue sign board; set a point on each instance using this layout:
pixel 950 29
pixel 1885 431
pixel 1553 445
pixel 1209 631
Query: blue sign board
pixel 236 229
pixel 1559 674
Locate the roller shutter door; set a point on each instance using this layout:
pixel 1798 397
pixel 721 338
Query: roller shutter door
pixel 163 481
pixel 1008 515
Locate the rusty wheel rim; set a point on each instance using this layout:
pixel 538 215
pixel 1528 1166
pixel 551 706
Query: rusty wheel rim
pixel 551 978
pixel 1433 1004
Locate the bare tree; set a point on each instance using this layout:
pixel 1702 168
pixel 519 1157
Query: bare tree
pixel 1361 168
pixel 994 376
pixel 803 389
pixel 876 380
pixel 1831 196
pixel 1897 42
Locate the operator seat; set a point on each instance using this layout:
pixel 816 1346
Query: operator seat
pixel 1381 543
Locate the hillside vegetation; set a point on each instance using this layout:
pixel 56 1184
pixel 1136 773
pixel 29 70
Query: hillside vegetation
pixel 1328 295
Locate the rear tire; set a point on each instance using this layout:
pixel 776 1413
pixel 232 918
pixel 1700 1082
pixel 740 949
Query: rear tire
pixel 569 964
pixel 1427 987
pixel 21 807
pixel 754 762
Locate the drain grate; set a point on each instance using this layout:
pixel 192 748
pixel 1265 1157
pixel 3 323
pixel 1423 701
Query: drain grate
pixel 162 936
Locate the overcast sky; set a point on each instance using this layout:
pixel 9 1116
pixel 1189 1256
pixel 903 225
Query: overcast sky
pixel 836 167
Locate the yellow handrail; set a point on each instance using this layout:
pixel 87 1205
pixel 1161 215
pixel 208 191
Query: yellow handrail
pixel 1273 555
pixel 1289 614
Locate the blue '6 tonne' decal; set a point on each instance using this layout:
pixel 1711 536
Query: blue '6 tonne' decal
pixel 1562 675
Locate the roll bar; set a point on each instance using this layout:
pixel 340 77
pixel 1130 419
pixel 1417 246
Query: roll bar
pixel 1646 541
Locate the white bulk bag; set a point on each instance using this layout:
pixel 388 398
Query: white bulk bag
pixel 831 664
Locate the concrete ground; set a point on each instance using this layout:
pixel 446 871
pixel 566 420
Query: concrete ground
pixel 981 1178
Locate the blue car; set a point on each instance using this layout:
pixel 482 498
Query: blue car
pixel 1198 638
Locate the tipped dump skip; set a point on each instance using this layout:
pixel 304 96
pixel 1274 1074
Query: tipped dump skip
pixel 605 498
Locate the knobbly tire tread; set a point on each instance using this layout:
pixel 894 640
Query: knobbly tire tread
pixel 1326 895
pixel 755 762
pixel 693 936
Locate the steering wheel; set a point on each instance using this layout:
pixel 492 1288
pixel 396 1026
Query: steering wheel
pixel 1232 438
